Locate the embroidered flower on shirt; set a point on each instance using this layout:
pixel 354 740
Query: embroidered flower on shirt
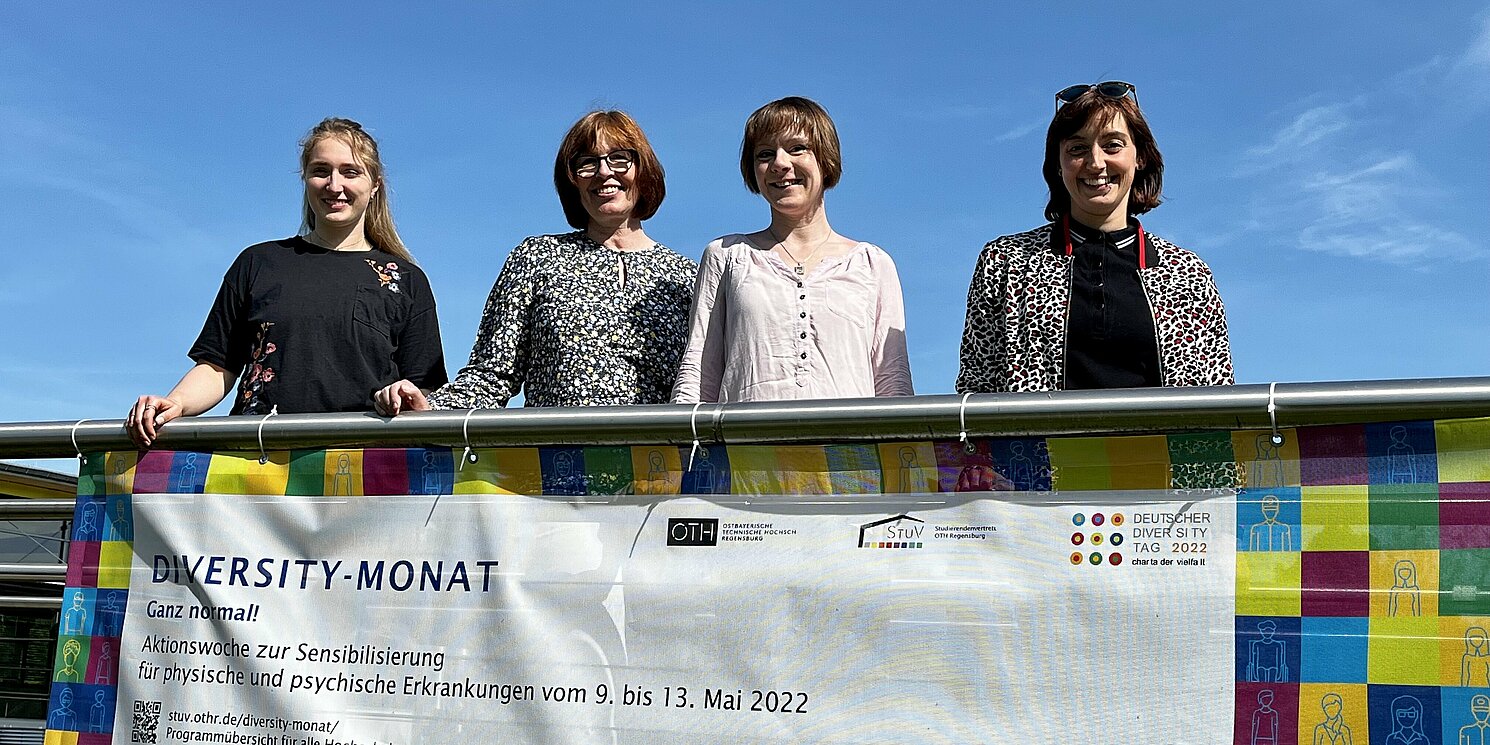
pixel 388 274
pixel 258 373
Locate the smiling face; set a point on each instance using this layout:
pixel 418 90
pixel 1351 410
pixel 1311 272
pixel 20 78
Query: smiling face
pixel 1098 164
pixel 338 186
pixel 608 196
pixel 787 173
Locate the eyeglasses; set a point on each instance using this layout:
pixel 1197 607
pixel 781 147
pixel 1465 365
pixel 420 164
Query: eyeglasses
pixel 1109 89
pixel 586 166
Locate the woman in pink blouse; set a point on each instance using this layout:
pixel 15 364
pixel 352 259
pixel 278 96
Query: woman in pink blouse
pixel 795 310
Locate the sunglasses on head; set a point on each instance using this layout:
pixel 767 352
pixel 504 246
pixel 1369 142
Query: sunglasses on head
pixel 1109 89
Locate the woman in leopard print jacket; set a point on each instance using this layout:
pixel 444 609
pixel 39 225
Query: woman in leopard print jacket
pixel 1091 300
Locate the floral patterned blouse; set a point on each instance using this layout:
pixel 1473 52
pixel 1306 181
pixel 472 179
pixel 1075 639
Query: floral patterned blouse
pixel 572 322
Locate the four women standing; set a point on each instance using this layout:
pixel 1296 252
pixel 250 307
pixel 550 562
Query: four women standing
pixel 601 316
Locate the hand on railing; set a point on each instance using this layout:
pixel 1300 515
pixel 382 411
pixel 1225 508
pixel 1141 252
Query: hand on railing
pixel 148 414
pixel 398 397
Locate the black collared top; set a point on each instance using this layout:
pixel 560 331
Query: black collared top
pixel 1110 339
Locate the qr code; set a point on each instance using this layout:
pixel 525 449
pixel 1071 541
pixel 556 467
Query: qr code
pixel 146 721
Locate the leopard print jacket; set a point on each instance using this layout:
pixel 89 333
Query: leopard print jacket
pixel 1019 301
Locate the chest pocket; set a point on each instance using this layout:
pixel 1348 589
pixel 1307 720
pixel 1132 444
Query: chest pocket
pixel 378 309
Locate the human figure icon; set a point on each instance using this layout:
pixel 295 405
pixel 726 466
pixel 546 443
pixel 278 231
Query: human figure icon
pixel 1405 594
pixel 71 650
pixel 106 618
pixel 1265 720
pixel 1407 722
pixel 63 717
pixel 1474 666
pixel 341 481
pixel 85 530
pixel 564 476
pixel 1333 730
pixel 657 468
pixel 704 472
pixel 908 464
pixel 1021 468
pixel 98 714
pixel 1267 469
pixel 1270 534
pixel 118 523
pixel 104 674
pixel 1401 458
pixel 1267 657
pixel 75 618
pixel 1478 731
pixel 433 484
pixel 116 476
pixel 186 479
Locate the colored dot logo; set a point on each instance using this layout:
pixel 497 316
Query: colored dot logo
pixel 1117 539
pixel 1115 559
pixel 1096 539
pixel 1076 558
pixel 1078 519
pixel 1095 558
pixel 1117 519
pixel 1097 519
pixel 1077 538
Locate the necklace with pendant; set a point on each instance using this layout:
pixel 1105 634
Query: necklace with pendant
pixel 799 268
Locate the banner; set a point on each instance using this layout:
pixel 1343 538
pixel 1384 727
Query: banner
pixel 1191 588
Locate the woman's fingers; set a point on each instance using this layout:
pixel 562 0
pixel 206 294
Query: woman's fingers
pixel 147 415
pixel 398 397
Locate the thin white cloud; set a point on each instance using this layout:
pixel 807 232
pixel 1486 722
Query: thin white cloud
pixel 1018 132
pixel 1371 212
pixel 1305 130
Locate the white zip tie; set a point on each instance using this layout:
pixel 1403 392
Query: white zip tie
pixel 468 454
pixel 967 444
pixel 693 424
pixel 1273 413
pixel 83 459
pixel 264 455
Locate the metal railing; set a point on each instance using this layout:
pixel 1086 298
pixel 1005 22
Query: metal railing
pixel 913 417
pixel 917 417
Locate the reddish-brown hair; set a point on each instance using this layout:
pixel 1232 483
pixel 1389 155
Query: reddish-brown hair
pixel 1148 180
pixel 616 130
pixel 793 115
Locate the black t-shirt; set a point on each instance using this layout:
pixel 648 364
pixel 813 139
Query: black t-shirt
pixel 1110 339
pixel 309 330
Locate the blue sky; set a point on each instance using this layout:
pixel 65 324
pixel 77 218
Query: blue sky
pixel 1328 159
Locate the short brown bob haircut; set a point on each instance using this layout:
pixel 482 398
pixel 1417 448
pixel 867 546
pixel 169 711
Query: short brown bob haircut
pixel 788 116
pixel 616 130
pixel 1148 180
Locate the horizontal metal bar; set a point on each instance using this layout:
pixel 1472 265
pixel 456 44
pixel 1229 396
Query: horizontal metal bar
pixel 32 572
pixel 36 509
pixel 916 417
pixel 22 601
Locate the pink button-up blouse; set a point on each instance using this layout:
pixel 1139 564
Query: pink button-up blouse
pixel 759 332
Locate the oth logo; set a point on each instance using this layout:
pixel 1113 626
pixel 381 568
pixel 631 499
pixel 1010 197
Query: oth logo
pixel 692 531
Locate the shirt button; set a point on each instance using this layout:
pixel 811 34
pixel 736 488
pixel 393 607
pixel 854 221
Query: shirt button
pixel 801 297
pixel 804 354
pixel 804 334
pixel 801 315
pixel 799 284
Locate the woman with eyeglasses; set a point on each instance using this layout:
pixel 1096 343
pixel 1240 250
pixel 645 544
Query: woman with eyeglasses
pixel 794 310
pixel 320 321
pixel 593 317
pixel 1092 299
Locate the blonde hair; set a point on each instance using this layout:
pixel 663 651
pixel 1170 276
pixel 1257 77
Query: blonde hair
pixel 378 224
